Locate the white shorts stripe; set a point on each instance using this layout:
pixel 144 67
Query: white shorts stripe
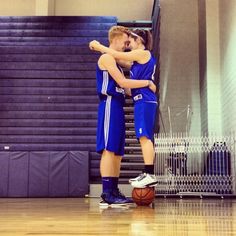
pixel 107 119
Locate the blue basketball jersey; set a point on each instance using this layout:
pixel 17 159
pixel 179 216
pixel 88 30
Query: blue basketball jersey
pixel 111 117
pixel 143 72
pixel 107 86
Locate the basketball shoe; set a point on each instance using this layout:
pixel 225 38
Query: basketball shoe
pixel 114 199
pixel 118 193
pixel 144 180
pixel 136 178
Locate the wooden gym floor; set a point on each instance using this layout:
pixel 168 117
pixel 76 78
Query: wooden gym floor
pixel 71 216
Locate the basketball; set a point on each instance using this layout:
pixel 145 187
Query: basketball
pixel 143 196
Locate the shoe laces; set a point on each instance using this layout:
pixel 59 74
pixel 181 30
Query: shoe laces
pixel 141 176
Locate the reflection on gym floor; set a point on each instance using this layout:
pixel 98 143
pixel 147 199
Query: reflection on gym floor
pixel 71 216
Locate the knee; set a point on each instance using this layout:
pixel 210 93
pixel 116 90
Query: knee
pixel 119 158
pixel 143 139
pixel 108 154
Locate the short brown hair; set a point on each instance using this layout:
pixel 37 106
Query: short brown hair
pixel 117 31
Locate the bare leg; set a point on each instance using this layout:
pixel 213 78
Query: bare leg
pixel 148 179
pixel 147 150
pixel 110 164
pixel 117 165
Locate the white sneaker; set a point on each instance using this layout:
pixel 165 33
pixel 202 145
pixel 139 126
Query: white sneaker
pixel 136 178
pixel 144 180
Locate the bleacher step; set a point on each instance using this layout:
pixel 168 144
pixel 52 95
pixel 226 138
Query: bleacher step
pixel 136 24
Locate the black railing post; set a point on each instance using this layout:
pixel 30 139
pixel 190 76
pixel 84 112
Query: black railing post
pixel 156 51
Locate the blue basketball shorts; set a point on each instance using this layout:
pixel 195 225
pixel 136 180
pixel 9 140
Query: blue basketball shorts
pixel 144 119
pixel 111 126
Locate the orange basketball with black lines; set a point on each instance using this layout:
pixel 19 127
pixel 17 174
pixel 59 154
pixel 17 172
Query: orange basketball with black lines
pixel 143 196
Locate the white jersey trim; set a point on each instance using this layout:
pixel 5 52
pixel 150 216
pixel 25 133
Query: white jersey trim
pixel 107 119
pixel 105 82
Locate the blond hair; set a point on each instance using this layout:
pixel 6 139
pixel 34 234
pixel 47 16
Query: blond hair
pixel 117 31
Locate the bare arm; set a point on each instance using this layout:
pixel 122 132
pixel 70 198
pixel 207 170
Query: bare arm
pixel 138 55
pixel 125 64
pixel 109 64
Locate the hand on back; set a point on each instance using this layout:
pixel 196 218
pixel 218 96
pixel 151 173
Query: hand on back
pixel 153 87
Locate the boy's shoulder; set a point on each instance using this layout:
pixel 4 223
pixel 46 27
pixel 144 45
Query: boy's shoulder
pixel 106 56
pixel 106 59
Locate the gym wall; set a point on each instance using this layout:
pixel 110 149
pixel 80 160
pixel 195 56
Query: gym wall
pixel 17 7
pixel 123 9
pixel 179 58
pixel 209 67
pixel 227 17
pixel 198 64
pixel 217 54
